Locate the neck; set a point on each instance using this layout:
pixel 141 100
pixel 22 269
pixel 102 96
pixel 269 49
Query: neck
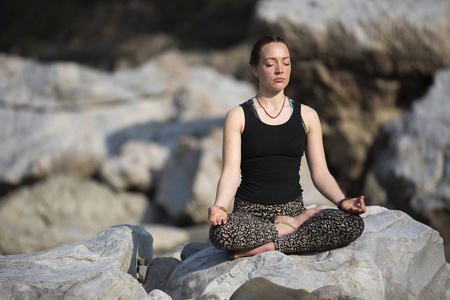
pixel 271 100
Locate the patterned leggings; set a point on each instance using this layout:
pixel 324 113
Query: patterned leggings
pixel 251 225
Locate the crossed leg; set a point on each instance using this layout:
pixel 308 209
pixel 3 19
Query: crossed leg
pixel 285 225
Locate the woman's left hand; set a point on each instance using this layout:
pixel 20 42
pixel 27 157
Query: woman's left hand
pixel 354 205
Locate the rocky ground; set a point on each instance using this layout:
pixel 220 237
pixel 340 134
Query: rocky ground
pixel 132 134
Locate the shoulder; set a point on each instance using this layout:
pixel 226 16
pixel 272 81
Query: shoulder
pixel 310 117
pixel 235 118
pixel 235 113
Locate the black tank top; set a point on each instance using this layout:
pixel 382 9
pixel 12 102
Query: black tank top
pixel 270 158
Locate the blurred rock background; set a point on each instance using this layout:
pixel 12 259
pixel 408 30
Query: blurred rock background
pixel 111 111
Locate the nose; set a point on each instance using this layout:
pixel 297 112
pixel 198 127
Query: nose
pixel 279 69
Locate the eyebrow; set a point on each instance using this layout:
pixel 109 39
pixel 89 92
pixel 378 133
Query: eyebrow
pixel 287 57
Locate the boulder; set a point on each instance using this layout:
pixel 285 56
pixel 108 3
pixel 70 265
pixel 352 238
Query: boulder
pixel 261 288
pixel 188 183
pixel 135 166
pixel 209 94
pixel 62 118
pixel 158 273
pixel 358 64
pixel 101 267
pixel 411 159
pixel 166 238
pixel 63 210
pixel 395 258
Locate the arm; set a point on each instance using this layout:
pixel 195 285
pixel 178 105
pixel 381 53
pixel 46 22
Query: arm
pixel 320 175
pixel 231 155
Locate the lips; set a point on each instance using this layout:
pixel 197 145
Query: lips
pixel 279 79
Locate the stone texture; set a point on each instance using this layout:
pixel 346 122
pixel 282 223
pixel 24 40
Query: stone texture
pixel 63 210
pixel 135 166
pixel 101 267
pixel 188 184
pixel 192 248
pixel 411 159
pixel 358 64
pixel 52 112
pixel 261 288
pixel 166 238
pixel 395 258
pixel 328 292
pixel 159 271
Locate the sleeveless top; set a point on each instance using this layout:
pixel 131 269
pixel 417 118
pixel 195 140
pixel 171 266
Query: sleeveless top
pixel 270 158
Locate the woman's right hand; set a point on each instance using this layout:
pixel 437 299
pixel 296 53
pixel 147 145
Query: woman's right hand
pixel 217 216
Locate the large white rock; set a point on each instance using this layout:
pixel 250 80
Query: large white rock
pixel 101 267
pixel 52 112
pixel 63 210
pixel 412 158
pixel 135 167
pixel 65 118
pixel 395 258
pixel 188 184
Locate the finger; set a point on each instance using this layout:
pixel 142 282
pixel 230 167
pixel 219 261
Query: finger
pixel 363 204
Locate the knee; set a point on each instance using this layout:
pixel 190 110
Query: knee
pixel 357 224
pixel 216 236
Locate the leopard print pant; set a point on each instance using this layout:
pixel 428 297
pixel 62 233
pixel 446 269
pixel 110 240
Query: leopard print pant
pixel 251 225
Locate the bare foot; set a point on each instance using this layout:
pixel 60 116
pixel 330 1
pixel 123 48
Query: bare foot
pixel 294 222
pixel 253 251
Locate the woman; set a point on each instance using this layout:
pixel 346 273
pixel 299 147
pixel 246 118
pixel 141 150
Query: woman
pixel 264 140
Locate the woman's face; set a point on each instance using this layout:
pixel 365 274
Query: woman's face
pixel 274 68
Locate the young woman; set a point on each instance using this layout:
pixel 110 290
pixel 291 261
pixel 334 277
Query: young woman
pixel 264 140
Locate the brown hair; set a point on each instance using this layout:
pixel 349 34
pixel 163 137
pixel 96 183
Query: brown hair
pixel 265 40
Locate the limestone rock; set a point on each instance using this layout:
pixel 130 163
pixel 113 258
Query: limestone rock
pixel 358 64
pixel 55 111
pixel 328 292
pixel 63 210
pixel 412 158
pixel 103 267
pixel 395 258
pixel 166 238
pixel 159 295
pixel 192 248
pixel 188 184
pixel 159 272
pixel 135 166
pixel 64 118
pixel 261 288
pixel 208 93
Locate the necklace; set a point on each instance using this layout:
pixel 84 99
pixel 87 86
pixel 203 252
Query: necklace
pixel 273 118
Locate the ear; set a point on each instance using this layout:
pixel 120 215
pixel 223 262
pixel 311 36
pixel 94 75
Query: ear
pixel 255 71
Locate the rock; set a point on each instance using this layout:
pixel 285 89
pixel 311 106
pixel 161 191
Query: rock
pixel 395 258
pixel 159 272
pixel 64 118
pixel 103 266
pixel 358 64
pixel 328 292
pixel 63 210
pixel 165 237
pixel 135 166
pixel 159 295
pixel 195 168
pixel 192 248
pixel 209 94
pixel 411 158
pixel 57 111
pixel 261 288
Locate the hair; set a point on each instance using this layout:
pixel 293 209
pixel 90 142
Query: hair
pixel 265 40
